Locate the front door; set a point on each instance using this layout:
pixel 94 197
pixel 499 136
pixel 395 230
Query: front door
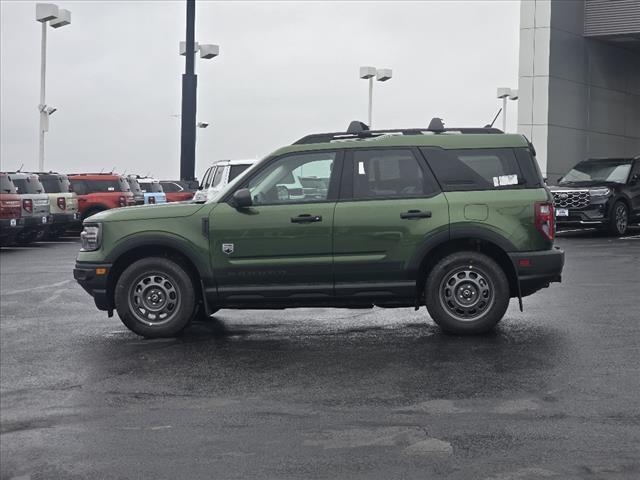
pixel 280 247
pixel 389 206
pixel 634 189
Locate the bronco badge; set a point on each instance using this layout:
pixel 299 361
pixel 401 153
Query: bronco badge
pixel 227 248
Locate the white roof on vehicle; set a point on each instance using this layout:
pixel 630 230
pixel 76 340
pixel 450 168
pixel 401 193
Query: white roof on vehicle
pixel 249 161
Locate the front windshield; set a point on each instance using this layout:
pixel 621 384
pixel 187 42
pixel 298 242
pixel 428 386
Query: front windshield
pixel 617 172
pixel 232 184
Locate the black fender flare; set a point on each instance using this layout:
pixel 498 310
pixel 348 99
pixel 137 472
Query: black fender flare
pixel 162 239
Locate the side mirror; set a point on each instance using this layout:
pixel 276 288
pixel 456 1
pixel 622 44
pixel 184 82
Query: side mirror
pixel 242 198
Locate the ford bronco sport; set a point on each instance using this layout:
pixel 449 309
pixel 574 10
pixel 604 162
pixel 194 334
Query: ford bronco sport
pixel 10 211
pixel 63 203
pixel 100 191
pixel 35 207
pixel 458 220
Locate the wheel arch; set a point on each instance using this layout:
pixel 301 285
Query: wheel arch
pixel 143 246
pixel 476 241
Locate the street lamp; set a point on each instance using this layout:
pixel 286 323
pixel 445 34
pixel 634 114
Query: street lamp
pixel 189 93
pixel 56 17
pixel 504 93
pixel 382 75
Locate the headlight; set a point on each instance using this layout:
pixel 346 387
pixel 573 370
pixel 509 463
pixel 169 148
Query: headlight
pixel 599 192
pixel 91 237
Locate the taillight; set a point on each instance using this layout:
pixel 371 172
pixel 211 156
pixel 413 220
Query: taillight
pixel 545 220
pixel 27 204
pixel 62 203
pixel 152 199
pixel 122 201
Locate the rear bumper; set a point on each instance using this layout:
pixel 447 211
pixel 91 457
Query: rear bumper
pixel 94 284
pixel 64 218
pixel 37 222
pixel 9 228
pixel 536 270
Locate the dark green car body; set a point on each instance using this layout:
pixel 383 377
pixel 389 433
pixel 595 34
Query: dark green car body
pixel 334 245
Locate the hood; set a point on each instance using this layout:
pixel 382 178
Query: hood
pixel 589 184
pixel 146 212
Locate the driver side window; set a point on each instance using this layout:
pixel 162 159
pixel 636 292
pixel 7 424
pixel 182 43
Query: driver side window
pixel 301 178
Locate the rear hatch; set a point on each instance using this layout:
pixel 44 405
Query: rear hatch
pixel 35 203
pixel 61 199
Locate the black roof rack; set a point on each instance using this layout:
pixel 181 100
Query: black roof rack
pixel 359 130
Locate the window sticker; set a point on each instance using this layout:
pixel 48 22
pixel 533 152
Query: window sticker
pixel 505 180
pixel 361 168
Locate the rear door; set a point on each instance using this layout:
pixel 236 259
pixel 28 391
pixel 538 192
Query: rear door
pixel 280 247
pixel 390 204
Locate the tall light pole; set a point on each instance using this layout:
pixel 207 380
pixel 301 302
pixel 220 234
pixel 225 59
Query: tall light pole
pixel 382 75
pixel 189 94
pixel 56 17
pixel 504 93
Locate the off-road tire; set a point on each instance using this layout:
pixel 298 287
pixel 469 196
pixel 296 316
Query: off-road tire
pixel 463 283
pixel 619 219
pixel 155 287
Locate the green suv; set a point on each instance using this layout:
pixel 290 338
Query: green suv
pixel 458 220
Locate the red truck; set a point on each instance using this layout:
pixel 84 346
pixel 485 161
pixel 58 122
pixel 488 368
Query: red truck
pixel 100 191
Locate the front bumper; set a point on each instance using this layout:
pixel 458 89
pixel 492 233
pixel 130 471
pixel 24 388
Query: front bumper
pixel 94 281
pixel 536 270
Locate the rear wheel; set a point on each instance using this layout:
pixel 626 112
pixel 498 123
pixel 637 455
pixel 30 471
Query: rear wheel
pixel 619 222
pixel 155 297
pixel 467 293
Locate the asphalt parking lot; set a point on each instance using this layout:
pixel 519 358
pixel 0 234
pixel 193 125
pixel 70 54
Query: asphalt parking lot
pixel 552 393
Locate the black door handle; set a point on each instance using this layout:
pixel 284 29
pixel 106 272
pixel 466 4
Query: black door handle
pixel 415 214
pixel 306 218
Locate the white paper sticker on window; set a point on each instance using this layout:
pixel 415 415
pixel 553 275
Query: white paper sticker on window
pixel 504 180
pixel 361 168
pixel 110 189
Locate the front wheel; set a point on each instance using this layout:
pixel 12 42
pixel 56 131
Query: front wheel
pixel 619 219
pixel 467 293
pixel 155 297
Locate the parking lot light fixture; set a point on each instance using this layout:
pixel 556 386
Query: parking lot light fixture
pixel 381 75
pixel 56 18
pixel 506 93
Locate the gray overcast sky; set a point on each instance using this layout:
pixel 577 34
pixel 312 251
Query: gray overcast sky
pixel 286 69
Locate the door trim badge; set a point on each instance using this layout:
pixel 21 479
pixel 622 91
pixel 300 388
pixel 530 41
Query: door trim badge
pixel 227 248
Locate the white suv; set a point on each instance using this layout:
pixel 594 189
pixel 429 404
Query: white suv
pixel 218 176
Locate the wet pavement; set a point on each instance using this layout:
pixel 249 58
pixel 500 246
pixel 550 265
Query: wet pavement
pixel 554 392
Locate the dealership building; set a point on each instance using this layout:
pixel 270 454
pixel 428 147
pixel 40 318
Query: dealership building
pixel 579 80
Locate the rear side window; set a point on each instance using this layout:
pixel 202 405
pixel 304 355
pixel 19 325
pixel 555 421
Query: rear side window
pixel 79 186
pixel 101 186
pixel 389 174
pixel 476 169
pixel 236 170
pixel 170 187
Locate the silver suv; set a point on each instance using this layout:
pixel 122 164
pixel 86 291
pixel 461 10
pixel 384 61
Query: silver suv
pixel 35 206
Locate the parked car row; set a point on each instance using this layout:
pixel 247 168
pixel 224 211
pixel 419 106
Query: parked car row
pixel 43 205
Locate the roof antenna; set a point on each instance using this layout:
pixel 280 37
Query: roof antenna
pixel 112 169
pixel 102 170
pixel 20 169
pixel 494 119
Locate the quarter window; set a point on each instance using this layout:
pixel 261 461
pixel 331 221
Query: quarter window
pixel 302 178
pixel 388 174
pixel 475 169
